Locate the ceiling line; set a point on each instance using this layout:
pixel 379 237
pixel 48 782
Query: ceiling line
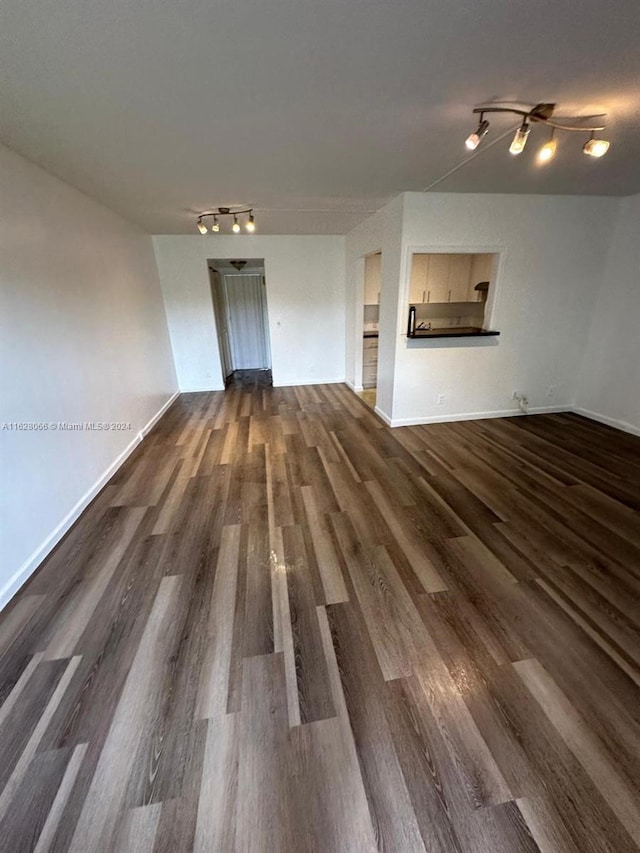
pixel 313 210
pixel 464 162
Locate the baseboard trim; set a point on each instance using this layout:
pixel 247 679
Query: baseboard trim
pixel 154 420
pixel 22 575
pixel 383 416
pixel 474 416
pixel 355 388
pixel 604 419
pixel 510 413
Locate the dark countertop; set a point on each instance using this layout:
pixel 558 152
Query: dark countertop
pixel 453 332
pixel 370 334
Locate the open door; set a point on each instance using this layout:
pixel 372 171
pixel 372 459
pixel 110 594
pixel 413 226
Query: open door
pixel 221 319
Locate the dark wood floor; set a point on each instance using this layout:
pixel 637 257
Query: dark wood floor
pixel 284 627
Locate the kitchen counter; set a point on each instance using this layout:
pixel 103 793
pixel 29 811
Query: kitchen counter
pixel 370 334
pixel 453 332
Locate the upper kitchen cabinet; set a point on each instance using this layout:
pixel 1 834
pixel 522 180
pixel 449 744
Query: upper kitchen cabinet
pixel 458 280
pixel 419 278
pixel 372 279
pixel 438 279
pixel 445 277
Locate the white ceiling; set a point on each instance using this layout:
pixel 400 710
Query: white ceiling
pixel 313 111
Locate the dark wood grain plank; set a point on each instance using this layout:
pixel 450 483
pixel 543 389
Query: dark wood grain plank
pixel 294 628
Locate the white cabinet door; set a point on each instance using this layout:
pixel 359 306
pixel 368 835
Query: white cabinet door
pixel 458 284
pixel 372 279
pixel 438 278
pixel 419 278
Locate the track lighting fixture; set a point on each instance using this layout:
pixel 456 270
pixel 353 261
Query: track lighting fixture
pixel 541 114
pixel 595 147
pixel 520 139
pixel 548 150
pixel 473 140
pixel 220 212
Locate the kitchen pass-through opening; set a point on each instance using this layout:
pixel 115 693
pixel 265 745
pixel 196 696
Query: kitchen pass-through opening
pixel 238 291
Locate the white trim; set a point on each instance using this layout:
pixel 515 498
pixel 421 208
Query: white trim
pixel 355 388
pixel 383 416
pixel 475 416
pixel 19 578
pixel 337 381
pixel 154 420
pixel 604 419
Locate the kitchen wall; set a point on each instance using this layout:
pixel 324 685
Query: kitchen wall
pixel 84 338
pixel 305 296
pixel 609 386
pixel 552 261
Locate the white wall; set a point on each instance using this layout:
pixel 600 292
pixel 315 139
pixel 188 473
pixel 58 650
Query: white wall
pixel 609 387
pixel 552 251
pixel 305 297
pixel 84 338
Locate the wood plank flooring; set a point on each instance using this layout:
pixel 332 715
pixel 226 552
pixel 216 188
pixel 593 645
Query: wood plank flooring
pixel 283 626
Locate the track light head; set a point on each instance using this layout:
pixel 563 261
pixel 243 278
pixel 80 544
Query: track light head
pixel 236 225
pixel 251 224
pixel 216 225
pixel 520 139
pixel 595 147
pixel 548 150
pixel 474 139
pixel 202 228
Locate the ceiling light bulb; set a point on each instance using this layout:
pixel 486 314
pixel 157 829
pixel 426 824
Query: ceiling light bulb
pixel 236 226
pixel 251 224
pixel 202 228
pixel 520 139
pixel 473 141
pixel 548 150
pixel 595 147
pixel 216 225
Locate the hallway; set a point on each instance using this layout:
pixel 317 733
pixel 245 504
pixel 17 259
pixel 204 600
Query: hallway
pixel 283 626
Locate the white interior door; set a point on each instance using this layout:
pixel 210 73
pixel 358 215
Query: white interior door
pixel 246 307
pixel 220 312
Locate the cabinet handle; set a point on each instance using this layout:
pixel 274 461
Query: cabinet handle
pixel 428 296
pixel 449 297
pixel 423 295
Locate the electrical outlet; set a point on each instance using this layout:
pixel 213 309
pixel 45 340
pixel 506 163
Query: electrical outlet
pixel 441 400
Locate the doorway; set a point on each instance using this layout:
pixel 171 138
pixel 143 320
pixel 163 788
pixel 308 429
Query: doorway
pixel 238 291
pixel 370 321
